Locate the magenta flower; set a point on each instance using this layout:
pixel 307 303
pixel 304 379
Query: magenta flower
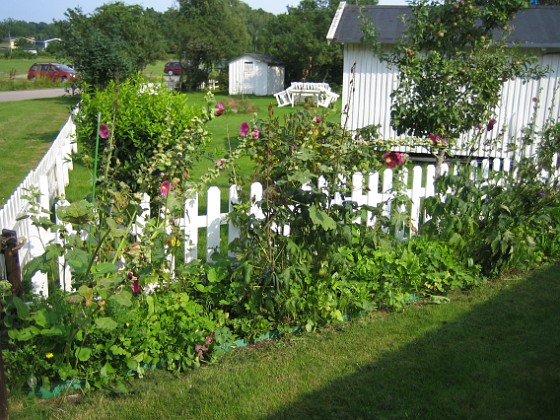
pixel 392 159
pixel 104 131
pixel 165 187
pixel 318 119
pixel 244 129
pixel 136 287
pixel 256 133
pixel 491 124
pixel 219 108
pixel 437 140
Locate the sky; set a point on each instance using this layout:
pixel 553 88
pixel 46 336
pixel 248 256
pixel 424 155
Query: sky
pixel 49 10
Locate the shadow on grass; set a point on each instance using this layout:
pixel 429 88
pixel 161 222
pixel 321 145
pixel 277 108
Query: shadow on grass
pixel 500 360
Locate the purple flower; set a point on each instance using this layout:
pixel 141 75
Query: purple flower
pixel 256 133
pixel 219 108
pixel 165 188
pixel 244 129
pixel 136 287
pixel 491 124
pixel 318 119
pixel 104 131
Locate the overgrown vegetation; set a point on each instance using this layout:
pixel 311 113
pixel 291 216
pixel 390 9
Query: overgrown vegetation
pixel 304 258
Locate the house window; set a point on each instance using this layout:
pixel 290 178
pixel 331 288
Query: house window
pixel 248 67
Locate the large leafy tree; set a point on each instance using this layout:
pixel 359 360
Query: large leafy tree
pixel 115 42
pixel 298 38
pixel 214 31
pixel 452 66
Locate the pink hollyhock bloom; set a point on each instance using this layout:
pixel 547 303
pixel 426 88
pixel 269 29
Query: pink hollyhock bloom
pixel 220 164
pixel 256 133
pixel 219 108
pixel 392 159
pixel 318 119
pixel 437 140
pixel 491 124
pixel 104 131
pixel 244 129
pixel 165 187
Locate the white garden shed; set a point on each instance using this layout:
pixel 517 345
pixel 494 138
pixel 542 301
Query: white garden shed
pixel 255 74
pixel 368 81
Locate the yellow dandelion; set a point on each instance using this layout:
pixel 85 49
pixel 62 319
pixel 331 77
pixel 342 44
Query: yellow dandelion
pixel 49 356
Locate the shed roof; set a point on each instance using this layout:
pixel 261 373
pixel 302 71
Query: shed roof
pixel 535 27
pixel 260 57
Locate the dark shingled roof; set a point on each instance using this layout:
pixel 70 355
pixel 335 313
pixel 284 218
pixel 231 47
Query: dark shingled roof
pixel 535 27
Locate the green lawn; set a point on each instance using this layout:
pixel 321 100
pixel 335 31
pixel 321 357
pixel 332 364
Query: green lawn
pixel 27 129
pixel 491 353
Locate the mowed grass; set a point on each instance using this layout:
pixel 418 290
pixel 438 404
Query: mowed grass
pixel 27 129
pixel 491 353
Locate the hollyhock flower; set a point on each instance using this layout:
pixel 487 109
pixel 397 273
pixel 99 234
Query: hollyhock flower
pixel 104 131
pixel 244 129
pixel 318 119
pixel 219 108
pixel 256 133
pixel 199 349
pixel 491 124
pixel 220 164
pixel 136 287
pixel 437 140
pixel 165 188
pixel 392 159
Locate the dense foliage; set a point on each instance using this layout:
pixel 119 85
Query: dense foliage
pixel 304 258
pixel 113 43
pixel 453 62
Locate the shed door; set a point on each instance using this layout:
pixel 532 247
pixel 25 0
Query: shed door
pixel 249 77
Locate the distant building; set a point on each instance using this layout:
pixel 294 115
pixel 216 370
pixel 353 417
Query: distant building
pixel 255 74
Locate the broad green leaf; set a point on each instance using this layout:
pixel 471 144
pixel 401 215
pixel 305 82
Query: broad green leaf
pixel 24 334
pixel 106 323
pixel 76 213
pixel 83 354
pixel 78 260
pixel 124 298
pixel 321 218
pixel 103 268
pixel 21 307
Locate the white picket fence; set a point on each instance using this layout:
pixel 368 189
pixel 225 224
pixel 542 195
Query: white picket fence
pixel 49 178
pixel 372 189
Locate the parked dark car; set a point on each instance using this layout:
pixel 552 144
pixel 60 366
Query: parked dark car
pixel 53 71
pixel 173 68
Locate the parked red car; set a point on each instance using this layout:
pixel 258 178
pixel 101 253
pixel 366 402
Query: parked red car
pixel 54 71
pixel 173 68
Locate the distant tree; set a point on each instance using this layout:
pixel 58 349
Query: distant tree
pixel 115 42
pixel 24 44
pixel 214 31
pixel 298 38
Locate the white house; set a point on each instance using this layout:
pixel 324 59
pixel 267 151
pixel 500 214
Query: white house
pixel 368 81
pixel 255 74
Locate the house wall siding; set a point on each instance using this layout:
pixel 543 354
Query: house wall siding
pixel 366 97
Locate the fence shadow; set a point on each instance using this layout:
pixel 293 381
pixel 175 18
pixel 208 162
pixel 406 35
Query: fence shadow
pixel 500 360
